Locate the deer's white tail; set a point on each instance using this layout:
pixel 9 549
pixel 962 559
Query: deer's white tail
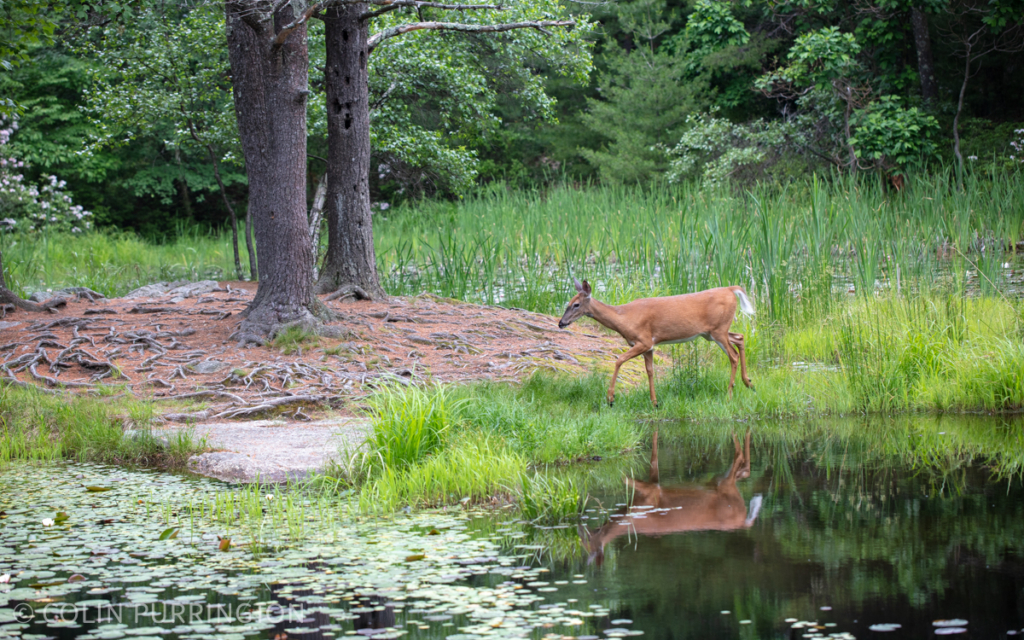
pixel 753 510
pixel 746 306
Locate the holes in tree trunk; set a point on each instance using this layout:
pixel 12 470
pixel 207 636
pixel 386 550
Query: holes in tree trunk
pixel 344 35
pixel 348 79
pixel 362 59
pixel 337 107
pixel 348 120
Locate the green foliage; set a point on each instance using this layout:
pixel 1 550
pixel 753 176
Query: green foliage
pixel 25 23
pixel 716 150
pixel 645 95
pixel 888 135
pixel 55 136
pixel 469 470
pixel 712 26
pixel 434 95
pixel 819 58
pixel 112 262
pixel 167 80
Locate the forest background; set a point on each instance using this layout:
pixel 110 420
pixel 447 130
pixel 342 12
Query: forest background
pixel 135 115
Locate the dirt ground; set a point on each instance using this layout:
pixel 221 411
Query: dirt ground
pixel 179 350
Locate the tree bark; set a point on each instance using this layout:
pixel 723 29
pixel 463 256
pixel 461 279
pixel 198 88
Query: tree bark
pixel 925 62
pixel 351 261
pixel 269 71
pixel 316 217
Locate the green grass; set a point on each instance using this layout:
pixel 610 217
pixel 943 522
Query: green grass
pixel 798 249
pixel 409 423
pixel 113 262
pixel 38 426
pixel 443 445
pixel 294 339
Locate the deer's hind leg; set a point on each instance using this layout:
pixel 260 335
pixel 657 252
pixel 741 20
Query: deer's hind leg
pixel 649 365
pixel 724 340
pixel 737 340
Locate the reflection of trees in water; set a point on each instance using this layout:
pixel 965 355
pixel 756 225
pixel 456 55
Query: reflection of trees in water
pixel 375 612
pixel 861 515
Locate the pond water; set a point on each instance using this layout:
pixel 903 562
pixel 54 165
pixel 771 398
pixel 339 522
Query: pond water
pixel 878 527
pixel 845 524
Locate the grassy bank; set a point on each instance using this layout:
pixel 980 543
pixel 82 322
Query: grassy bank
pixel 35 425
pixel 869 302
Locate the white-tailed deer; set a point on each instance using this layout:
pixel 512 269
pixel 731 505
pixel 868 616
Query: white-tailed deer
pixel 655 510
pixel 649 322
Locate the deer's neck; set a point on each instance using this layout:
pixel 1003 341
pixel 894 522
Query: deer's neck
pixel 606 314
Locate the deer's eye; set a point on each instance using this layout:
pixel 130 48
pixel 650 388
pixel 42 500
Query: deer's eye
pixel 575 305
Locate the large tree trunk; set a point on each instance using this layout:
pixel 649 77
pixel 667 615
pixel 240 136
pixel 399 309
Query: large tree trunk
pixel 351 263
pixel 925 62
pixel 270 92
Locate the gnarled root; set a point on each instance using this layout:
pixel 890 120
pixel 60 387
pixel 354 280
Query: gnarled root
pixel 349 291
pixel 7 297
pixel 263 324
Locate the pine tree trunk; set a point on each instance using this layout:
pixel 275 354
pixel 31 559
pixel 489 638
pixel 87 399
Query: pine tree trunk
pixel 270 92
pixel 351 262
pixel 925 62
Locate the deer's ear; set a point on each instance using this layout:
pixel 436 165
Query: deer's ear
pixel 579 287
pixel 586 287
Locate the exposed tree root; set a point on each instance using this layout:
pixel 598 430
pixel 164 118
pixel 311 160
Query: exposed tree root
pixel 7 297
pixel 263 324
pixel 349 291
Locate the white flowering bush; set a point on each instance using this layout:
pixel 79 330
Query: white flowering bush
pixel 1018 147
pixel 29 208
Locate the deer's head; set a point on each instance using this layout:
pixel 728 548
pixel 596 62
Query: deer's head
pixel 579 306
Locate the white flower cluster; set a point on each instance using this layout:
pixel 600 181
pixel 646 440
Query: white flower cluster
pixel 29 208
pixel 1018 147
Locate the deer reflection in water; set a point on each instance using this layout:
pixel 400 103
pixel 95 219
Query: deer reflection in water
pixel 656 510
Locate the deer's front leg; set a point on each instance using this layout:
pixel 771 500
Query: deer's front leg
pixel 633 352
